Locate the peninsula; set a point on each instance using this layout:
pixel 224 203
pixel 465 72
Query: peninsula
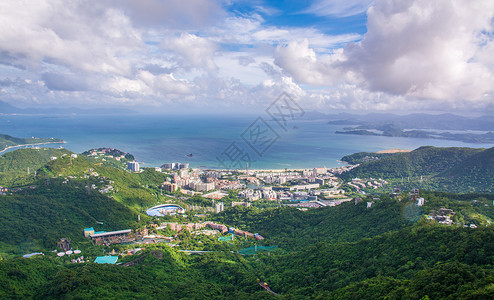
pixel 8 142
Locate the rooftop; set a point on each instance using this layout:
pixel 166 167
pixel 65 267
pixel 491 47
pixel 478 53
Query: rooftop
pixel 106 260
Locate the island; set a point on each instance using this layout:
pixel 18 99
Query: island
pixel 392 130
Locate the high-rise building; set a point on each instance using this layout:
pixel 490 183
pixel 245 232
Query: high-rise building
pixel 133 166
pixel 219 207
pixel 170 187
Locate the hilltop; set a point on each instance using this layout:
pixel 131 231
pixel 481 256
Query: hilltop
pixel 448 169
pixel 14 165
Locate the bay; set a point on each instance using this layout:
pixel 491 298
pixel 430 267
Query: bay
pixel 158 139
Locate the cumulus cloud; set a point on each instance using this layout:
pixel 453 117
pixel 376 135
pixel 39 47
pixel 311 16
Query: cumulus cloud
pixel 439 50
pixel 75 35
pixel 196 51
pixel 302 63
pixel 146 84
pixel 201 53
pixel 426 49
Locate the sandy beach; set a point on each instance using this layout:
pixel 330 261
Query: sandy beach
pixel 27 145
pixel 393 151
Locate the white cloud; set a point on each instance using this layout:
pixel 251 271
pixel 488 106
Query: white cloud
pixel 431 50
pixel 415 54
pixel 339 8
pixel 426 49
pixel 196 51
pixel 66 33
pixel 302 63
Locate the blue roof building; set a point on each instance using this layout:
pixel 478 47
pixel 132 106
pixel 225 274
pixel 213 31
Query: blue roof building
pixel 106 260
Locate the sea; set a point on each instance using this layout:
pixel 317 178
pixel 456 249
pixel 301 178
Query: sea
pixel 211 141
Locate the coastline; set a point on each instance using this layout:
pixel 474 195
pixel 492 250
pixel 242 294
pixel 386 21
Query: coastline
pixel 394 151
pixel 26 145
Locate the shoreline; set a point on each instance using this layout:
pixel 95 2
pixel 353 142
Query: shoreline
pixel 394 151
pixel 26 145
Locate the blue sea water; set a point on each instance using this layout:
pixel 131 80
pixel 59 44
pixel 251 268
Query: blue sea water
pixel 157 139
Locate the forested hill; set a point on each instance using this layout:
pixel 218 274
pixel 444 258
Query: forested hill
pixel 477 171
pixel 294 229
pixel 451 169
pixel 14 165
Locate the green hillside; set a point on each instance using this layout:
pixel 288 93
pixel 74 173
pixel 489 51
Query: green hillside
pixel 158 273
pixel 391 250
pixel 477 171
pixel 35 219
pixel 444 169
pixel 411 261
pixel 10 141
pixel 65 197
pixel 129 188
pixel 294 229
pixel 363 157
pixel 438 261
pixel 14 165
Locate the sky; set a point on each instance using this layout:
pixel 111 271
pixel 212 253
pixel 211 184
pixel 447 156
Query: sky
pixel 240 55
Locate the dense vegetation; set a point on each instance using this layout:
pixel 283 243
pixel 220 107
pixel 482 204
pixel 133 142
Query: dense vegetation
pixel 363 157
pixel 441 262
pixel 445 169
pixel 390 250
pixel 291 228
pixel 35 219
pixel 130 189
pixel 14 165
pixel 157 273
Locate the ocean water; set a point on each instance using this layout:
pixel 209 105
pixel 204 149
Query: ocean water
pixel 157 139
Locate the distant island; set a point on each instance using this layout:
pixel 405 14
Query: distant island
pixel 392 130
pixel 8 142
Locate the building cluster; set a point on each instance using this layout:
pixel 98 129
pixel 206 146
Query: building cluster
pixel 192 179
pixel 304 205
pixel 178 227
pixel 175 166
pixel 360 184
pixel 107 153
pixel 247 234
pixel 3 190
pixel 442 216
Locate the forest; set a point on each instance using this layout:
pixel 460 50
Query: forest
pixel 460 170
pixel 394 249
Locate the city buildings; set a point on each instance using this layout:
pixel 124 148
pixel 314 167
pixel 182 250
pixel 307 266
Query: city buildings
pixel 175 166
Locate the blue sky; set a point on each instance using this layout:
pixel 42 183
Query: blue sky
pixel 227 56
pixel 297 14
